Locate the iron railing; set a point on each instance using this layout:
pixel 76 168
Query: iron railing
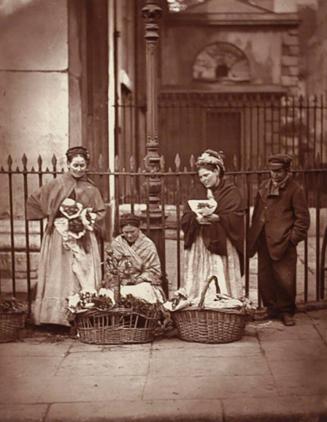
pixel 248 127
pixel 20 240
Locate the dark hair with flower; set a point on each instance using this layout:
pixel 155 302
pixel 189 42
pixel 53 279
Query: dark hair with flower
pixel 211 160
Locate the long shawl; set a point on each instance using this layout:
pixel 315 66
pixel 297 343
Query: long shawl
pixel 230 209
pixel 144 256
pixel 45 202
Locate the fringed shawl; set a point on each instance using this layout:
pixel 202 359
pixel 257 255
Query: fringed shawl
pixel 45 202
pixel 231 224
pixel 144 256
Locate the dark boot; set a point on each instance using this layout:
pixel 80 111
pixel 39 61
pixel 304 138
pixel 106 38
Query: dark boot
pixel 288 319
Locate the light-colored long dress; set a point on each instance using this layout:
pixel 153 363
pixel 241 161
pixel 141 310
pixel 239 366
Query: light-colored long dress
pixel 200 264
pixel 65 267
pixel 215 249
pixel 62 272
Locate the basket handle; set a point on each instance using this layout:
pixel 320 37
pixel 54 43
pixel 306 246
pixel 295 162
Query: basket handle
pixel 206 287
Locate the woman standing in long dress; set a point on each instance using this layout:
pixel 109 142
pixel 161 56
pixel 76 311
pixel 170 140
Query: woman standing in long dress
pixel 213 226
pixel 69 258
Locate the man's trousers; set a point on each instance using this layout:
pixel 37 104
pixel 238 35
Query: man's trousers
pixel 277 279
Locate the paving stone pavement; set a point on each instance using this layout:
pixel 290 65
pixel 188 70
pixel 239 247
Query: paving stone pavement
pixel 275 373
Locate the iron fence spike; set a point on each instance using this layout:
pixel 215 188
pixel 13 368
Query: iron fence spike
pixel 9 161
pixel 24 161
pixel 317 160
pixel 39 162
pixel 132 163
pixel 192 161
pixel 100 161
pixel 177 161
pixel 54 160
pixel 116 163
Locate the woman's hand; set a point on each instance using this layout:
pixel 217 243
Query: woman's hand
pixel 205 220
pixel 202 220
pixel 213 218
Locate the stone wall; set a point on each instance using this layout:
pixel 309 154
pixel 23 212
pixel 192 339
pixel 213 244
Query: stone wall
pixel 316 66
pixel 34 80
pixel 263 50
pixel 34 89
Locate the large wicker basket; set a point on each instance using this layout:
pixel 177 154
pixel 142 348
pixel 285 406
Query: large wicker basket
pixel 210 325
pixel 10 324
pixel 117 326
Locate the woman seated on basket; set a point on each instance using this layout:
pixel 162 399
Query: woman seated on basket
pixel 140 262
pixel 212 223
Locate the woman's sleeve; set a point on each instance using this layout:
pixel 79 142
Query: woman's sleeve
pixel 37 205
pixel 100 209
pixel 232 218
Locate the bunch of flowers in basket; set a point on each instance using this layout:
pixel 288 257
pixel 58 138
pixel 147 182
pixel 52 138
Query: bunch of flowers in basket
pixel 103 301
pixel 11 306
pixel 76 220
pixel 180 300
pixel 119 271
pixel 90 300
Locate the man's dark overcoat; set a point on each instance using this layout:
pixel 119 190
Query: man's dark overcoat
pixel 285 218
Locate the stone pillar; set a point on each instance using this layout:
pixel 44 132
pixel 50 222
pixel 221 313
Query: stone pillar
pixel 290 61
pixel 152 13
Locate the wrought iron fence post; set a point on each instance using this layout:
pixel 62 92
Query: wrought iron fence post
pixel 152 13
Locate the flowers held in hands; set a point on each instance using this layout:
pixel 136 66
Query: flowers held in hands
pixel 78 220
pixel 120 266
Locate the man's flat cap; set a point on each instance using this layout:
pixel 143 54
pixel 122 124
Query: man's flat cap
pixel 277 161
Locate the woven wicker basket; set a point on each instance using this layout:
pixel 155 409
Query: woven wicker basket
pixel 10 323
pixel 117 326
pixel 210 325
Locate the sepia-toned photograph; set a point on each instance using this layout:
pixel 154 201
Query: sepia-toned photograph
pixel 163 210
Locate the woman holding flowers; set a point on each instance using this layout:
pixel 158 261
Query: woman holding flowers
pixel 69 258
pixel 212 223
pixel 140 250
pixel 140 268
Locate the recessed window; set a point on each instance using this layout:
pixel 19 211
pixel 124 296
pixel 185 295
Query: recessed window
pixel 221 62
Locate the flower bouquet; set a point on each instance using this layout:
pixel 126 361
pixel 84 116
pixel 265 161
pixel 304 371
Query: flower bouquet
pixel 75 221
pixel 12 318
pixel 112 316
pixel 203 207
